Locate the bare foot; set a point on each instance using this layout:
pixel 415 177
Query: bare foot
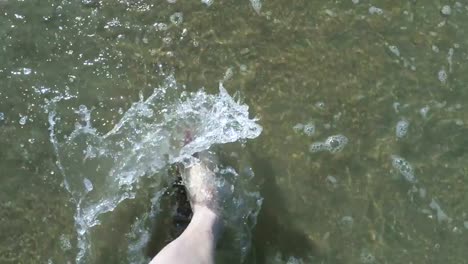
pixel 202 186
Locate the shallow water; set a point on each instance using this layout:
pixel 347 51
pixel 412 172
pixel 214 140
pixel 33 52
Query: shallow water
pixel 362 157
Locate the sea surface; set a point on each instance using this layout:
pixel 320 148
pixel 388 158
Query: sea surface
pixel 340 127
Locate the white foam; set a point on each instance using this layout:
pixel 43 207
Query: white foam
pixel 401 128
pixel 375 10
pixel 309 129
pixel 65 243
pixel 298 127
pixel 228 74
pixel 446 10
pixel 336 143
pixel 442 76
pixel 2 116
pixel 177 18
pixel 207 2
pixel 404 168
pixel 318 147
pixel 256 5
pixel 294 260
pixel 88 185
pixel 160 26
pixel 333 144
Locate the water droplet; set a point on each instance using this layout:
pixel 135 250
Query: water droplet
pixel 394 50
pixel 27 71
pixel 23 120
pixel 332 180
pixel 167 40
pixel 320 105
pixel 20 17
pixel 367 257
pixel 298 127
pixel 424 111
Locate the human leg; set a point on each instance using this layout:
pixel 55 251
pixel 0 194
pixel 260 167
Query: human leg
pixel 197 243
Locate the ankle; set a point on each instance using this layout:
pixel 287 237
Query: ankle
pixel 207 220
pixel 205 213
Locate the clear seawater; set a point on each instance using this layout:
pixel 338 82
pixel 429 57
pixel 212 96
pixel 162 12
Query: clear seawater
pixel 342 127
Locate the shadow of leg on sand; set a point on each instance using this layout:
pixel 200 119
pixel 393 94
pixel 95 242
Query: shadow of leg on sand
pixel 173 218
pixel 275 230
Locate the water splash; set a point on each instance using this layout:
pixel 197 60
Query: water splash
pixel 102 170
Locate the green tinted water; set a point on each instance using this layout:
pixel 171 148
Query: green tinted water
pixel 352 68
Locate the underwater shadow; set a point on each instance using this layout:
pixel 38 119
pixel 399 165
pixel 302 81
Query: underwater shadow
pixel 274 229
